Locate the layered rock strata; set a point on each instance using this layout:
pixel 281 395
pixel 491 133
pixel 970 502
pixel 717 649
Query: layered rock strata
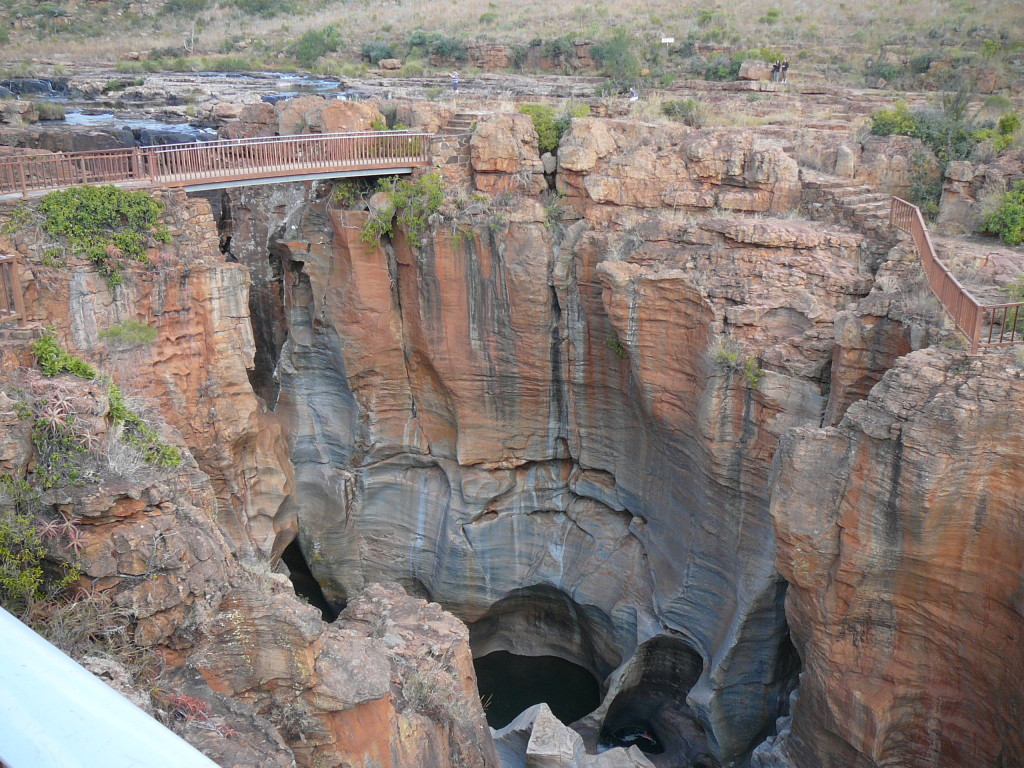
pixel 193 371
pixel 899 534
pixel 536 412
pixel 266 680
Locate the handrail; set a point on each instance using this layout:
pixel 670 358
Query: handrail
pixel 55 714
pixel 1005 322
pixel 11 302
pixel 224 160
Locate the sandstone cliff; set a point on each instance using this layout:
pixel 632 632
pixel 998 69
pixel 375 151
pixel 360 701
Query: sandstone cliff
pixel 252 675
pixel 644 425
pixel 899 534
pixel 582 416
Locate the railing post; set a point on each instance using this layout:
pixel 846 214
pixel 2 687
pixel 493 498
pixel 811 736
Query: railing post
pixel 19 300
pixel 136 163
pixel 151 163
pixel 21 175
pixel 979 314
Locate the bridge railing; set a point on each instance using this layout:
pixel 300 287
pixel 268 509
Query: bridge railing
pixel 221 160
pixel 11 306
pixel 985 325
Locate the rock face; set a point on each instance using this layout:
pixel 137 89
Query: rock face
pixel 269 683
pixel 610 425
pixel 610 165
pixel 199 385
pixel 899 534
pixel 570 414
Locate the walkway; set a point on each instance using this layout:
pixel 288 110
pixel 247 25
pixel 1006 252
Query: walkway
pixel 222 163
pixel 984 325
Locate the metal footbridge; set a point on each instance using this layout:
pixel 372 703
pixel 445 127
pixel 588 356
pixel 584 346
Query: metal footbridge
pixel 222 163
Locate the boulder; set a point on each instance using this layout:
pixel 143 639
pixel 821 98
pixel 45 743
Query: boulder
pixel 755 69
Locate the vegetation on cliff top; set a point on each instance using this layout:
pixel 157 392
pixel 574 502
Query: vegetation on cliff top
pixel 1006 220
pixel 913 44
pixel 54 360
pixel 107 225
pixel 549 125
pixel 410 204
pixel 66 444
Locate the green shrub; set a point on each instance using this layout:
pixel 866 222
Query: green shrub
pixel 688 111
pixel 129 335
pixel 130 67
pixel 54 360
pixel 564 120
pixel 561 49
pixel 185 7
pixel 265 8
pixel 543 117
pixel 922 62
pixel 730 355
pixel 615 345
pixel 25 575
pixel 411 203
pixel 412 69
pixel 885 71
pixel 139 434
pixel 105 224
pixel 706 16
pixel 925 184
pixel 315 43
pixel 947 132
pixel 375 51
pixel 1007 220
pixel 49 110
pixel 450 48
pixel 616 56
pixel 1009 124
pixel 549 127
pixel 722 67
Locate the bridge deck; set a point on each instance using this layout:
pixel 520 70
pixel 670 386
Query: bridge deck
pixel 223 161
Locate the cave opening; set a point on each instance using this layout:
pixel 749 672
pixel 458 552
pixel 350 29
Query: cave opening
pixel 537 645
pixel 510 683
pixel 651 711
pixel 303 581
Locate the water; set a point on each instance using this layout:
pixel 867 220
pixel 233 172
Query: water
pixel 510 683
pixel 110 120
pixel 136 130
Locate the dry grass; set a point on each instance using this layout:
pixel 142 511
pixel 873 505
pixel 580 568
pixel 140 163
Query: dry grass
pixel 810 32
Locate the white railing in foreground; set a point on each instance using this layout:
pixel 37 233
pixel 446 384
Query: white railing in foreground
pixel 55 714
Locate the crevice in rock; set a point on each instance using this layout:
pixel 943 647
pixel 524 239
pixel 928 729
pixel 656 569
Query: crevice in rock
pixel 537 644
pixel 509 684
pixel 559 411
pixel 306 585
pixel 650 709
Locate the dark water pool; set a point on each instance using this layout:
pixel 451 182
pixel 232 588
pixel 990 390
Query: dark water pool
pixel 510 683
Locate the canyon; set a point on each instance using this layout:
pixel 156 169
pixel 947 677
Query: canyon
pixel 667 406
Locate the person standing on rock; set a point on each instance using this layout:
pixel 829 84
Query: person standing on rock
pixel 785 69
pixel 775 70
pixel 455 81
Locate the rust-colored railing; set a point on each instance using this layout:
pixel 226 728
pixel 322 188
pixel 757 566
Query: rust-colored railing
pixel 224 160
pixel 985 325
pixel 11 306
